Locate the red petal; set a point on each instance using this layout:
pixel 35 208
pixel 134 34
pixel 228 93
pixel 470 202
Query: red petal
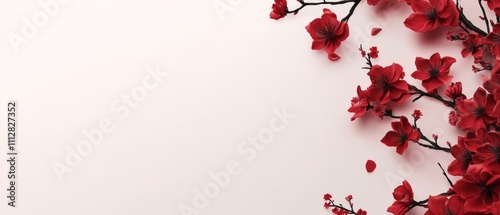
pixel 327 11
pixel 375 31
pixel 420 75
pixel 317 45
pixel 391 139
pixel 370 166
pixel 420 5
pixel 422 63
pixel 419 22
pixel 435 60
pixel 431 84
pixel 333 57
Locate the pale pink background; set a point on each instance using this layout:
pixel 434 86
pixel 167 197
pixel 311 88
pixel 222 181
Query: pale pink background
pixel 226 76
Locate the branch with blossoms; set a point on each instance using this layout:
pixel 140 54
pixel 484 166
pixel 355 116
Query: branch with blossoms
pixel 339 209
pixel 476 153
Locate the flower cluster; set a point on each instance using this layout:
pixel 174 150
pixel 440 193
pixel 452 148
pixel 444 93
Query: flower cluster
pixel 339 209
pixel 476 153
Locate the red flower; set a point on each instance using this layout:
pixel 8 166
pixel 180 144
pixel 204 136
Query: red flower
pixel 403 194
pixel 327 197
pixel 439 205
pixel 489 152
pixel 477 111
pixel 473 45
pixel 382 110
pixel 387 84
pixel 417 114
pixel 479 187
pixel 494 82
pixel 434 71
pixel 453 118
pixel 474 140
pixel 463 158
pixel 279 9
pixel 359 104
pixel 493 39
pixel 361 212
pixel 348 198
pixel 494 5
pixel 327 32
pixel 374 52
pixel 454 91
pixel 402 132
pixel 428 14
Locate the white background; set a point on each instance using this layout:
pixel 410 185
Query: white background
pixel 227 73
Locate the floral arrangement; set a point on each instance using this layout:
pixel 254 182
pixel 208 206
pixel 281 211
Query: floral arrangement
pixel 476 152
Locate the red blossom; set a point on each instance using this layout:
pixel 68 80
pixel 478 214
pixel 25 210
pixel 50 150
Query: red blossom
pixel 494 5
pixel 326 205
pixel 493 39
pixel 433 72
pixel 449 35
pixel 328 32
pixel 387 84
pixel 453 118
pixel 359 104
pixel 489 152
pixel 440 205
pixel 374 52
pixel 363 52
pixel 403 194
pixel 454 91
pixel 348 198
pixel 279 9
pixel 402 132
pixel 473 140
pixel 479 187
pixel 473 45
pixel 417 114
pixel 327 196
pixel 476 112
pixel 361 212
pixel 493 82
pixel 428 14
pixel 463 158
pixel 382 110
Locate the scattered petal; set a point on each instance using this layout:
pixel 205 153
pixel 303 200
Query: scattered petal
pixel 370 166
pixel 375 31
